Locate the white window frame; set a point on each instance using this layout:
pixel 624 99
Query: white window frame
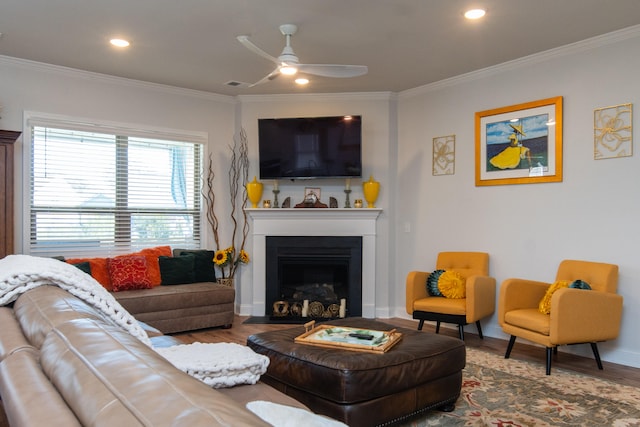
pixel 32 118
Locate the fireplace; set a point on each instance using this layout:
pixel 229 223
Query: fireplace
pixel 311 223
pixel 314 276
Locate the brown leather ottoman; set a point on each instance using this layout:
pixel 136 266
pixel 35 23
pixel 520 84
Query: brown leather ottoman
pixel 421 372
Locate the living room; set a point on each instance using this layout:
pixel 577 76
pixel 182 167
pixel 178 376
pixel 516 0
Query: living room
pixel 527 228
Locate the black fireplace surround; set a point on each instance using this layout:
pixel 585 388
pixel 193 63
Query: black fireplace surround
pixel 316 268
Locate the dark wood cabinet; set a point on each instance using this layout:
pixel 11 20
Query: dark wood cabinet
pixel 7 139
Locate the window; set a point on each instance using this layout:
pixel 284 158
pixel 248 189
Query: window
pixel 105 192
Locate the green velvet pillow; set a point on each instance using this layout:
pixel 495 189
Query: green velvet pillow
pixel 84 266
pixel 178 270
pixel 203 264
pixel 432 283
pixel 579 284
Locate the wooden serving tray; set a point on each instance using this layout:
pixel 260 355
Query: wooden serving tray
pixel 348 338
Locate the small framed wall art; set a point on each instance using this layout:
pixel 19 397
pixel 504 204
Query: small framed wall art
pixel 444 155
pixel 520 144
pixel 612 132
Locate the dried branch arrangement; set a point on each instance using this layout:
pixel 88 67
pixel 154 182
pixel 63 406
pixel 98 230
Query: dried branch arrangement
pixel 228 258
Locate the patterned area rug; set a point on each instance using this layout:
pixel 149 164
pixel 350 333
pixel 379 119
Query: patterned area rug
pixel 508 392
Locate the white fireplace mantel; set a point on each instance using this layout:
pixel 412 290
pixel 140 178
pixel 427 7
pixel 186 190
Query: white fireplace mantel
pixel 314 222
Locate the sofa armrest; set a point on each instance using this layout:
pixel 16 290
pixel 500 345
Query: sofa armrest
pixel 416 288
pixel 519 293
pixel 481 297
pixel 579 316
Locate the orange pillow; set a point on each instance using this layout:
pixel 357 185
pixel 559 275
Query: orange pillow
pixel 128 272
pixel 99 270
pixel 153 265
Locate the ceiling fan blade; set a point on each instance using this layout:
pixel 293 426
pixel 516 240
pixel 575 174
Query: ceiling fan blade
pixel 271 76
pixel 255 49
pixel 333 70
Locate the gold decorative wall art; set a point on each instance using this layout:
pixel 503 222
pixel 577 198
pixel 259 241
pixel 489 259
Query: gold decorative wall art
pixel 612 130
pixel 444 155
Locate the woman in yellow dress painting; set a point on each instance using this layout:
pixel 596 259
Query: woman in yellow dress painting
pixel 510 157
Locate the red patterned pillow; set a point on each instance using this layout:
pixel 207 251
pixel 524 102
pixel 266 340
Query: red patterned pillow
pixel 129 272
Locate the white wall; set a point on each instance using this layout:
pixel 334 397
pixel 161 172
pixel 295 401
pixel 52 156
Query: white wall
pixel 527 229
pixel 30 86
pixel 378 139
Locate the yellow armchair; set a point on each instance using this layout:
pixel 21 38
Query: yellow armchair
pixel 576 316
pixel 480 292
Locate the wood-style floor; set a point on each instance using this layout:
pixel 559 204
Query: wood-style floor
pixel 521 351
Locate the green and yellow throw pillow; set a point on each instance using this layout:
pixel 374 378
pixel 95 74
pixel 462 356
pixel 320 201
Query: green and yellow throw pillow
pixel 448 284
pixel 544 306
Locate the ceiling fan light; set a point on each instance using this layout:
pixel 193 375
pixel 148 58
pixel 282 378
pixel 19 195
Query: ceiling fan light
pixel 288 70
pixel 302 81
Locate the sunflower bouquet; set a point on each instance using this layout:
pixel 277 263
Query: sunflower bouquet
pixel 227 260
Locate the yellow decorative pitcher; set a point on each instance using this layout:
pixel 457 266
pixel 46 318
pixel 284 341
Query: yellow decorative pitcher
pixel 254 191
pixel 371 189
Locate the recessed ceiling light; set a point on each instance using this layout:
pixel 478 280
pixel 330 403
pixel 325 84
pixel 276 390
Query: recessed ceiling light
pixel 302 81
pixel 119 42
pixel 475 13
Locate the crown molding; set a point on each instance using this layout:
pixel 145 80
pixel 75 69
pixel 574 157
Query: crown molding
pixel 319 97
pixel 526 61
pixel 105 78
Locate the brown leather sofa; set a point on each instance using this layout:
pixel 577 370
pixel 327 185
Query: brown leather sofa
pixel 178 308
pixel 64 363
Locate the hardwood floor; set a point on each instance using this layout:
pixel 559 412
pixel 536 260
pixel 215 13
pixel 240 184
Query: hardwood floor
pixel 612 372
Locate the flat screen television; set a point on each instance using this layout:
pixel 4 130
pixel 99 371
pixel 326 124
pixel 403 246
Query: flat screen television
pixel 310 147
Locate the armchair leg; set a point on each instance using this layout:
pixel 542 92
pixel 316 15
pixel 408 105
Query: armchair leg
pixel 596 354
pixel 479 330
pixel 420 324
pixel 461 331
pixel 512 341
pixel 549 351
pixel 438 327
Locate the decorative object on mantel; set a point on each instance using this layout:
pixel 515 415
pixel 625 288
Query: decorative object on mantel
pixel 276 191
pixel 311 199
pixel 254 191
pixel 266 204
pixel 357 203
pixel 286 203
pixel 612 131
pixel 333 202
pixel 444 155
pixel 371 189
pixel 227 260
pixel 347 191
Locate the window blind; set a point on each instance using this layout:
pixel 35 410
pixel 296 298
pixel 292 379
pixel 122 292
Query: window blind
pixel 99 193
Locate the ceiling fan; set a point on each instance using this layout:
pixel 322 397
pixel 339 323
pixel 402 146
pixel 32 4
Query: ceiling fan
pixel 288 63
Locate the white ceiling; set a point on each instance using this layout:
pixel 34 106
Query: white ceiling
pixel 192 43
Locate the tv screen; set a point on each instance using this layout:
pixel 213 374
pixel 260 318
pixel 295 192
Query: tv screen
pixel 311 147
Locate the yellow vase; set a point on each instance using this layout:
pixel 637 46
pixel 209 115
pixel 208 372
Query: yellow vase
pixel 371 189
pixel 254 191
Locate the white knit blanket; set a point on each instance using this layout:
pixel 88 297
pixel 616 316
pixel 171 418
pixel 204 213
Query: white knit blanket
pixel 218 365
pixel 20 273
pixel 287 416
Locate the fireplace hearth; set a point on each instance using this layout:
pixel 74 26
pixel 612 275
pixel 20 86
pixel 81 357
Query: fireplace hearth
pixel 313 276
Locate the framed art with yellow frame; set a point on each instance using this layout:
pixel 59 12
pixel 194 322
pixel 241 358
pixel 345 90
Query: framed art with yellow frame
pixel 520 144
